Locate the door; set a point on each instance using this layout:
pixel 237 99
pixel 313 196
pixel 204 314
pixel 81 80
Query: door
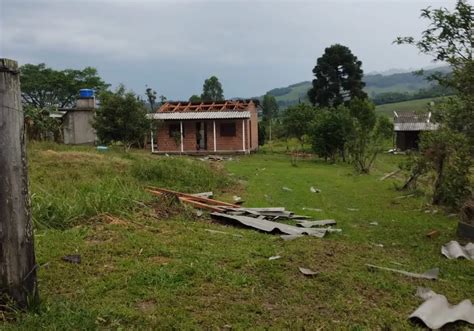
pixel 201 135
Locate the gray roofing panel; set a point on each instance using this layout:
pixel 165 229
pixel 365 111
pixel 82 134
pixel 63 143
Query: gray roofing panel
pixel 207 115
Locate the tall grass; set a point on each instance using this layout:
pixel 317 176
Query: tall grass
pixel 71 185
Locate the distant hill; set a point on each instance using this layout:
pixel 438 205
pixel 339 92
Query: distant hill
pixel 406 83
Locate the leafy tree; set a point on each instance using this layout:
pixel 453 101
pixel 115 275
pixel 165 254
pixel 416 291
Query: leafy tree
pixel 43 87
pixel 270 110
pixel 368 134
pixel 151 96
pixel 297 121
pixel 338 78
pixel 330 131
pixel 449 39
pixel 195 98
pixel 121 117
pixel 212 90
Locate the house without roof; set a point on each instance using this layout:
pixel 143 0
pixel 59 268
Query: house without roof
pixel 229 126
pixel 408 126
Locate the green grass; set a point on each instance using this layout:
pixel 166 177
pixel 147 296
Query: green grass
pixel 419 105
pixel 143 270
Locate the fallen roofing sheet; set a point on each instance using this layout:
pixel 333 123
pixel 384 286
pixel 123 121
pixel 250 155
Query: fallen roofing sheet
pixel 310 224
pixel 430 274
pixel 454 250
pixel 308 272
pixel 436 311
pixel 270 226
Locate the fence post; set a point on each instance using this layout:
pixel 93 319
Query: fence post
pixel 17 255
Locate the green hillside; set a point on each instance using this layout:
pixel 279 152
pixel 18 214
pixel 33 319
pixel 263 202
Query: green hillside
pixel 412 105
pixel 376 84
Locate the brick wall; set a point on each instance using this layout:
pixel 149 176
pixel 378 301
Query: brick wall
pixel 165 143
pixel 253 132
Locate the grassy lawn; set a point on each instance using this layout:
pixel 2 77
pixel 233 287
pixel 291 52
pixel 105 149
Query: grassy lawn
pixel 151 267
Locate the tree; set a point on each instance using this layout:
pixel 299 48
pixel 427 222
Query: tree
pixel 212 90
pixel 151 96
pixel 448 152
pixel 195 98
pixel 330 131
pixel 121 117
pixel 43 87
pixel 368 134
pixel 297 121
pixel 338 78
pixel 270 109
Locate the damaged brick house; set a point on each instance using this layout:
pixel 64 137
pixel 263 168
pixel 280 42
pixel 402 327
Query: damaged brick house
pixel 229 126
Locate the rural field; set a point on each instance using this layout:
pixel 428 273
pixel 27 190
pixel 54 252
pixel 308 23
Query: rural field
pixel 148 263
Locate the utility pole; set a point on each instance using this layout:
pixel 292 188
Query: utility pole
pixel 17 254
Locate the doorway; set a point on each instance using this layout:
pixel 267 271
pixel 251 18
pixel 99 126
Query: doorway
pixel 201 136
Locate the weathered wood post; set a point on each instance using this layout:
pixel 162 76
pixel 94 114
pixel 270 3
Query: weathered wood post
pixel 17 255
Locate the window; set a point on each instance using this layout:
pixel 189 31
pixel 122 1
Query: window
pixel 174 129
pixel 228 130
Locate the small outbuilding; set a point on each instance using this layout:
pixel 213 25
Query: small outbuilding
pixel 408 126
pixel 229 126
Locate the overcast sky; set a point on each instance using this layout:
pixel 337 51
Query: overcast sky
pixel 251 46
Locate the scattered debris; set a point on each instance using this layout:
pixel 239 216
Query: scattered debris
pixel 284 188
pixel 430 274
pixel 353 209
pixel 390 174
pixel 454 250
pixel 432 234
pixel 199 213
pixel 308 272
pixel 276 257
pixel 288 237
pixel 238 200
pixel 374 223
pixel 436 311
pixel 207 195
pixel 269 226
pixel 312 209
pixel 74 258
pixel 310 224
pixel 314 190
pixel 263 219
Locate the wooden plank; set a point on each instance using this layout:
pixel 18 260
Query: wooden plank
pixel 153 189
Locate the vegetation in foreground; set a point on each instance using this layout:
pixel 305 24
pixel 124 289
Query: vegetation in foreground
pixel 144 268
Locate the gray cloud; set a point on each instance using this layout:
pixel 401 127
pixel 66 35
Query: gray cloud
pixel 173 46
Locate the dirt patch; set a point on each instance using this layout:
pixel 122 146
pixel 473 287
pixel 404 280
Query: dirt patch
pixel 147 306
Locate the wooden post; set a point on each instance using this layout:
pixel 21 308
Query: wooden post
pixel 243 135
pixel 214 134
pixel 17 254
pixel 181 135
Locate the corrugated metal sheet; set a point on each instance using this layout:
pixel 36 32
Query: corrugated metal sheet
pixel 209 115
pixel 415 126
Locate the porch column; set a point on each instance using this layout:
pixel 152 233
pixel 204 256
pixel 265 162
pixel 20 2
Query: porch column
pixel 243 135
pixel 181 135
pixel 152 142
pixel 214 133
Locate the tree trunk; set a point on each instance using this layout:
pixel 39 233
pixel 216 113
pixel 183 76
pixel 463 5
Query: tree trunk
pixel 17 255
